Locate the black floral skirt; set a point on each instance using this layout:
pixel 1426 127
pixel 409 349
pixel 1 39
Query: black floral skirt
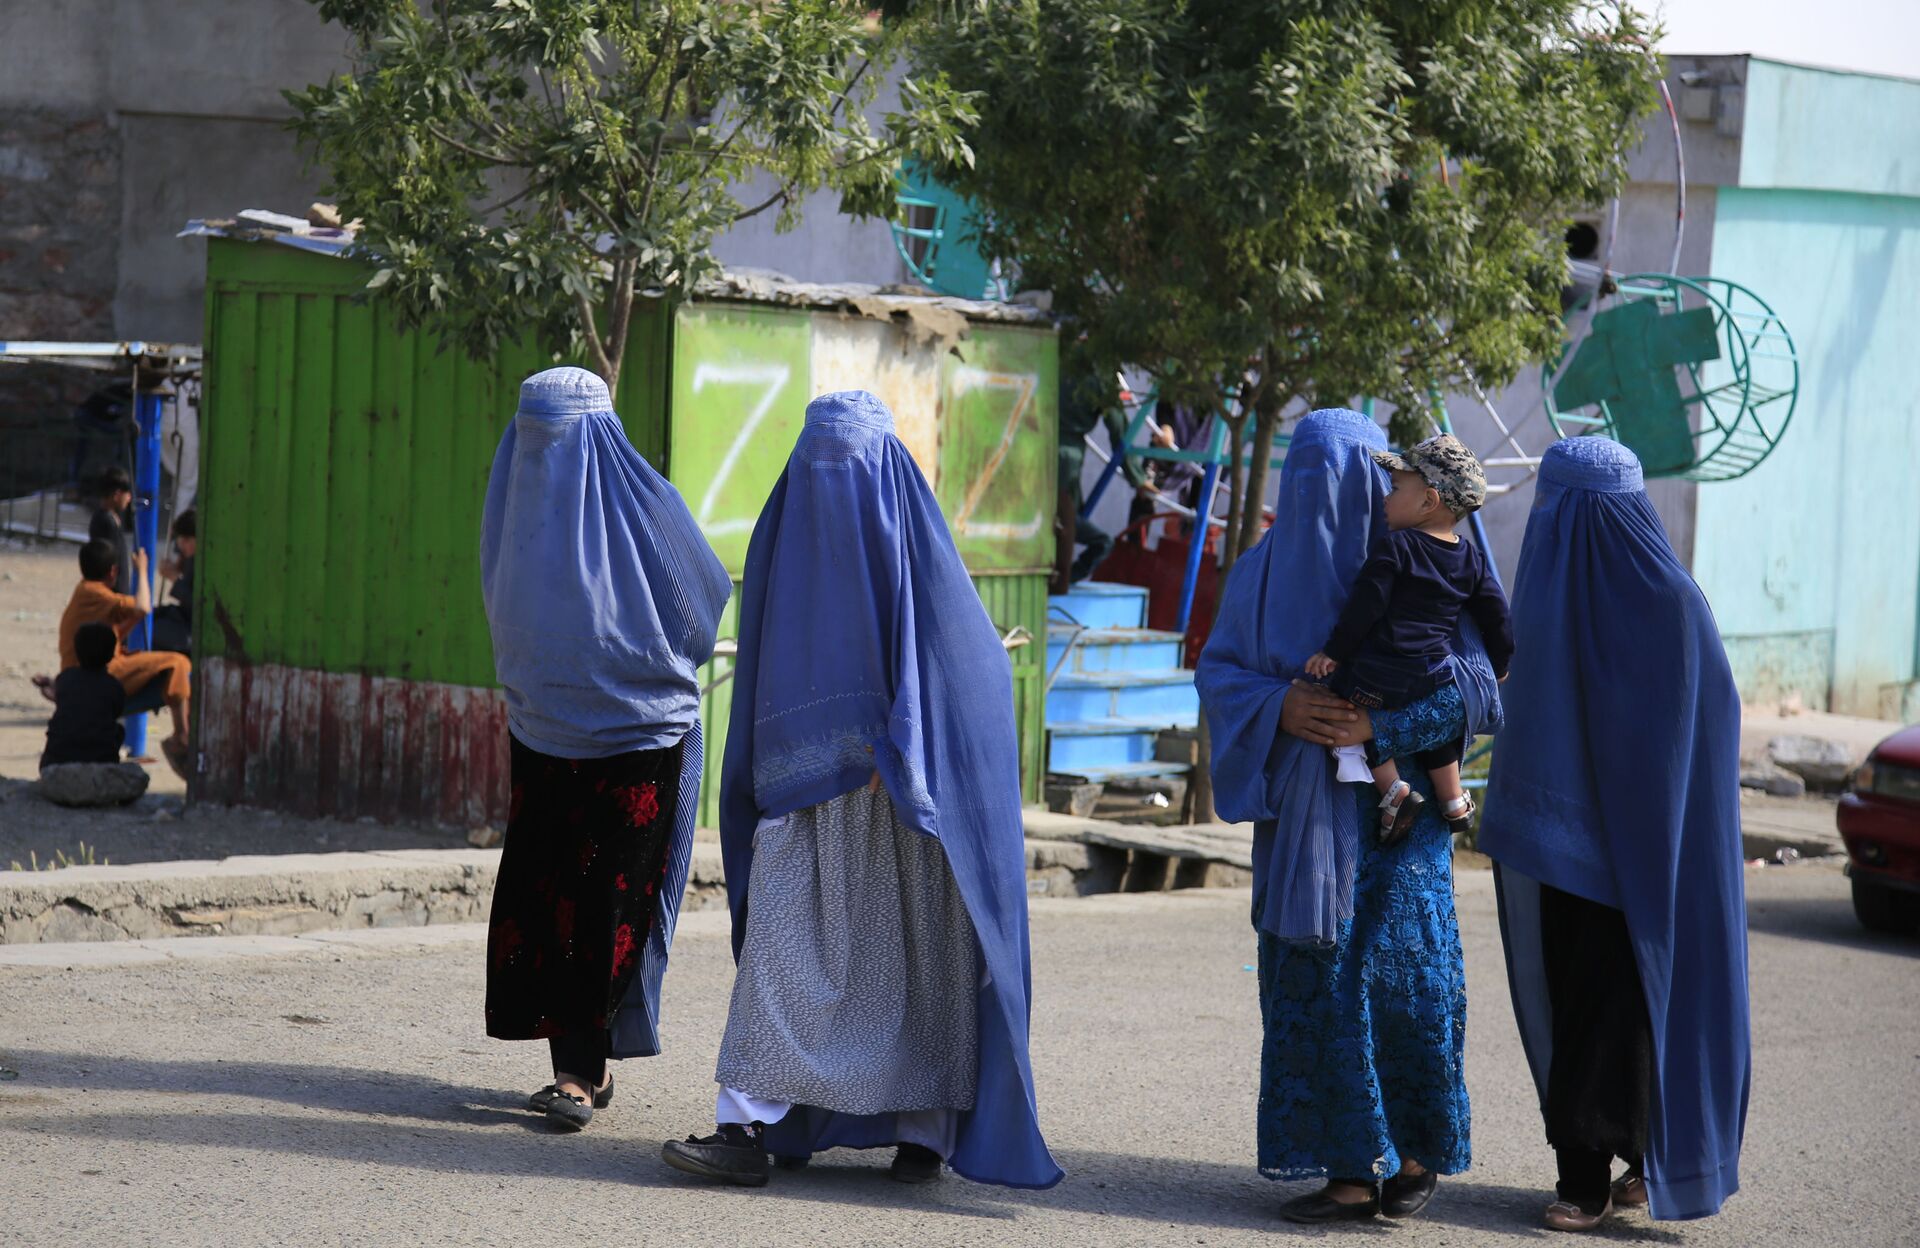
pixel 585 855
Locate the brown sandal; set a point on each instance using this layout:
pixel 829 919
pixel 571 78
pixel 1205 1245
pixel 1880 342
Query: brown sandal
pixel 1630 1192
pixel 1564 1215
pixel 175 751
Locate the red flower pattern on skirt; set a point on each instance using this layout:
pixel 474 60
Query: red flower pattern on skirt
pixel 640 801
pixel 623 948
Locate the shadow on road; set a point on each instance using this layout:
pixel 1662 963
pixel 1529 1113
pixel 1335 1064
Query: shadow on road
pixel 414 1122
pixel 1827 919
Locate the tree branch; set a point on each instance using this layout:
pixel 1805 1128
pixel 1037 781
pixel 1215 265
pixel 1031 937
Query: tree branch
pixel 619 316
pixel 596 351
pixel 783 195
pixel 495 158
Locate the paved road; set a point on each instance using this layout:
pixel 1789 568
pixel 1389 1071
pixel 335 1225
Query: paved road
pixel 344 1094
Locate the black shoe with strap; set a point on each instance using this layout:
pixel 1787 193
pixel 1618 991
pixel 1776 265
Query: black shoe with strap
pixel 733 1154
pixel 1317 1207
pixel 1398 817
pixel 915 1164
pixel 1404 1195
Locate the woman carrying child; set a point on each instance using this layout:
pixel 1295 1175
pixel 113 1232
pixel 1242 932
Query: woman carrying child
pixel 1391 645
pixel 1613 816
pixel 1362 991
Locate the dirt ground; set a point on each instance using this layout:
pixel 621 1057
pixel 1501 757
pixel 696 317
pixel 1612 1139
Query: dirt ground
pixel 35 582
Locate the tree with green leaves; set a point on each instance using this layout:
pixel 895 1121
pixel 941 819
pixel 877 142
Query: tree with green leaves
pixel 1279 200
pixel 537 165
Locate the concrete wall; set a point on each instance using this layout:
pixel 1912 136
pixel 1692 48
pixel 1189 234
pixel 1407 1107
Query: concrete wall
pixel 1813 560
pixel 122 119
pixel 138 116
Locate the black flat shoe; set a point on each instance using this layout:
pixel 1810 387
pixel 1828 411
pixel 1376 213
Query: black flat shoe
pixel 792 1163
pixel 539 1101
pixel 567 1112
pixel 729 1155
pixel 1404 1195
pixel 1319 1207
pixel 915 1164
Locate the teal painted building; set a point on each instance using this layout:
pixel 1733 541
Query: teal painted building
pixel 1812 561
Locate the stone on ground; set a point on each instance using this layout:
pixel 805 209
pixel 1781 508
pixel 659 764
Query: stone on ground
pixel 1769 778
pixel 93 784
pixel 1819 761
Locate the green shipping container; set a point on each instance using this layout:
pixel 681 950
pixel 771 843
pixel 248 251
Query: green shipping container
pixel 343 663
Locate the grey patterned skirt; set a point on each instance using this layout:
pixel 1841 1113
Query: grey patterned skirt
pixel 859 973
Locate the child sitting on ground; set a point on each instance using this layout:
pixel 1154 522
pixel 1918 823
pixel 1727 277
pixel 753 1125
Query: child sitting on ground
pixel 165 677
pixel 87 703
pixel 1391 645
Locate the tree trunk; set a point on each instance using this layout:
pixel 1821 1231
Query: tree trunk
pixel 1200 787
pixel 1266 423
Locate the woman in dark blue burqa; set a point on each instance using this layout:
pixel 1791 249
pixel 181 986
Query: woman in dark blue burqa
pixel 1613 813
pixel 1362 993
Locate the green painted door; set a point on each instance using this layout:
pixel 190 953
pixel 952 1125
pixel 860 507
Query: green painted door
pixel 740 390
pixel 997 436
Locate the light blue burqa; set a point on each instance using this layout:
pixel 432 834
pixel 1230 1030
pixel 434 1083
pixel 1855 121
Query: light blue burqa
pixel 603 599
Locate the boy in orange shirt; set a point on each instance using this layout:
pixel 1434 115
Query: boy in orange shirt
pixel 157 671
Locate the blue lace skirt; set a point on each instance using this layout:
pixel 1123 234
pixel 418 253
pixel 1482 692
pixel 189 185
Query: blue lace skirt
pixel 1362 1064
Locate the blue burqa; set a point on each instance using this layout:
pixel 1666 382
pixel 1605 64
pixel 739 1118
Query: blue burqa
pixel 1617 780
pixel 603 599
pixel 864 646
pixel 1281 601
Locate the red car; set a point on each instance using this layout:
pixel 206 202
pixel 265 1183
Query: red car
pixel 1880 822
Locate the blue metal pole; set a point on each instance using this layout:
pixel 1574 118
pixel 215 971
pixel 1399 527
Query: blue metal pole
pixel 1113 461
pixel 1197 545
pixel 146 530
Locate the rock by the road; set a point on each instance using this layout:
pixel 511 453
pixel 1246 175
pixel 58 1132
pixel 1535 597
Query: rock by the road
pixel 1769 778
pixel 1818 761
pixel 93 784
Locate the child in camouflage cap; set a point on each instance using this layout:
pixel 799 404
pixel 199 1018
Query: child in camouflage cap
pixel 1391 644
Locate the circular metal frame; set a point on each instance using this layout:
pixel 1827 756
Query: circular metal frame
pixel 1738 405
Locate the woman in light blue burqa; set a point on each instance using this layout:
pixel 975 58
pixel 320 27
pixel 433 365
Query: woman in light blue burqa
pixel 1362 992
pixel 1613 818
pixel 871 830
pixel 603 600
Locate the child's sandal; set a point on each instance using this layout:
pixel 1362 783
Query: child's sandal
pixel 1399 809
pixel 1459 818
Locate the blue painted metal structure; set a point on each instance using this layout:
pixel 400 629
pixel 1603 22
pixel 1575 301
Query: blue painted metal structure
pixel 1114 685
pixel 146 530
pixel 148 413
pixel 1214 457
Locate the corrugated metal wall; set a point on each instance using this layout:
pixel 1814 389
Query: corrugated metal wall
pixel 343 473
pixel 344 467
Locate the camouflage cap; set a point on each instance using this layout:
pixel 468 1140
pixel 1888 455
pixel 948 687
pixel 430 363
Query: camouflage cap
pixel 1448 466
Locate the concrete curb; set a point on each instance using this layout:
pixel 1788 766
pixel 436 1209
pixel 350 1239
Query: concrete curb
pixel 289 895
